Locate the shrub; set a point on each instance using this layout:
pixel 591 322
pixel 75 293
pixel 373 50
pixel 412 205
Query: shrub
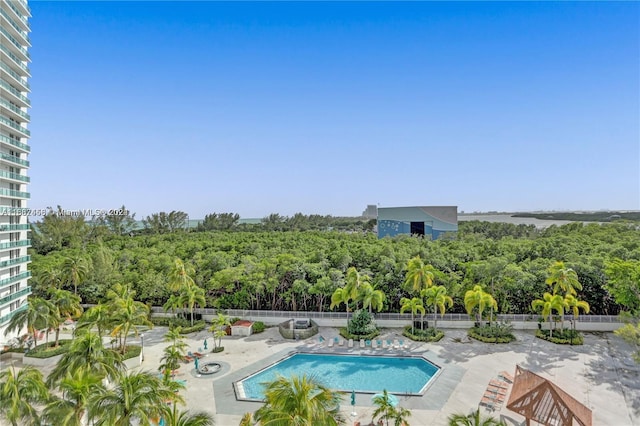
pixel 48 351
pixel 218 349
pixel 426 335
pixel 199 326
pixel 499 333
pixel 345 333
pixel 131 352
pixel 561 337
pixel 258 327
pixel 361 324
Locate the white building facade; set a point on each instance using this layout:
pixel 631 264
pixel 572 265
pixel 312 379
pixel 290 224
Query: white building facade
pixel 14 151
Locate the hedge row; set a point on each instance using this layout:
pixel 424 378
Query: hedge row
pixel 344 333
pixel 48 350
pixel 561 338
pixel 427 335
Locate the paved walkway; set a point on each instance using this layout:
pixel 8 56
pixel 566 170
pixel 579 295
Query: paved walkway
pixel 600 374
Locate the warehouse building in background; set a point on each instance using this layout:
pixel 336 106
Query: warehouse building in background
pixel 14 150
pixel 429 221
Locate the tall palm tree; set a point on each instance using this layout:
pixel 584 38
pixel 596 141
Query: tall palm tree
pixel 127 313
pixel 36 316
pixel 474 419
pixel 437 297
pixel 51 278
pixel 98 316
pixel 76 387
pixel 74 270
pixel 68 306
pixel 191 296
pixel 339 296
pixel 371 297
pixel 414 305
pixel 401 417
pixel 180 276
pixel 247 420
pixel 172 356
pixel 563 278
pixel 384 407
pixel 173 303
pixel 299 401
pixel 549 303
pixel 573 304
pixel 478 300
pixel 354 282
pixel 134 398
pixel 19 393
pixel 419 275
pixel 88 353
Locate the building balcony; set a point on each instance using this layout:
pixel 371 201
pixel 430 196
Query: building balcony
pixel 17 79
pixel 14 244
pixel 13 160
pixel 15 45
pixel 13 296
pixel 21 35
pixel 15 261
pixel 14 279
pixel 18 17
pixel 14 176
pixel 10 315
pixel 13 112
pixel 11 193
pixel 23 7
pixel 15 143
pixel 24 132
pixel 12 94
pixel 17 62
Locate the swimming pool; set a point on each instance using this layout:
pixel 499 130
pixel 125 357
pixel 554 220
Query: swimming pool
pixel 400 375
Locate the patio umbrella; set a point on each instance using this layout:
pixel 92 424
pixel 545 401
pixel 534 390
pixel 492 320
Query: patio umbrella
pixel 205 343
pixel 393 400
pixel 353 397
pixel 195 361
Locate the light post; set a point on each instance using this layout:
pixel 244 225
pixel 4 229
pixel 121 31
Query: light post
pixel 141 347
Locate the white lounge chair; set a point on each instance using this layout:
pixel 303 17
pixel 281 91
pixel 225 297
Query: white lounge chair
pixel 330 344
pixel 340 342
pixel 396 344
pixel 385 344
pixel 374 345
pixel 362 343
pixel 350 343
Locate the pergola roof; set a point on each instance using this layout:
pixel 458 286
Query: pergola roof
pixel 538 399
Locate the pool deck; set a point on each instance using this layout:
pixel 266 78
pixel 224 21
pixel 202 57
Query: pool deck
pixel 600 374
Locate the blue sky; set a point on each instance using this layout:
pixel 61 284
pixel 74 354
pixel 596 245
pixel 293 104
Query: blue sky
pixel 326 107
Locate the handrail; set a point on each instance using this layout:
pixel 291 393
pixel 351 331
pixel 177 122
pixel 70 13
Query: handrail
pixel 15 143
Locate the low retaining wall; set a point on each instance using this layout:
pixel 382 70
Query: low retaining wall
pixel 41 362
pixel 292 333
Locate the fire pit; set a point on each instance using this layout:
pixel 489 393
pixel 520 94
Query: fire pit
pixel 209 368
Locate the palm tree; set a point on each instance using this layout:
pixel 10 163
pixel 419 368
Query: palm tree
pixel 191 296
pixel 437 297
pixel 571 303
pixel 76 388
pixel 563 278
pixel 19 393
pixel 127 313
pixel 341 295
pixel 371 298
pixel 401 417
pixel 477 299
pixel 98 316
pixel 549 303
pixel 384 407
pixel 68 306
pixel 75 269
pixel 219 329
pixel 247 420
pixel 51 278
pixel 88 353
pixel 299 401
pixel 171 358
pixel 134 397
pixel 173 303
pixel 179 276
pixel 419 275
pixel 355 282
pixel 414 305
pixel 35 317
pixel 474 419
pixel 173 417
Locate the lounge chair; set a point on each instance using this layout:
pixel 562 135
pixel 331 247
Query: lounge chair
pixel 401 343
pixel 350 343
pixel 187 359
pixel 198 354
pixel 367 343
pixel 362 343
pixel 492 392
pixel 498 383
pixel 406 345
pixel 374 344
pixel 506 376
pixel 340 341
pixel 331 342
pixel 489 403
pixel 396 344
pixel 389 343
pixel 378 344
pixel 385 344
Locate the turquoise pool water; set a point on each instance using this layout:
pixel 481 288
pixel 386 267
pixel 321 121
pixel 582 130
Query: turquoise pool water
pixel 404 375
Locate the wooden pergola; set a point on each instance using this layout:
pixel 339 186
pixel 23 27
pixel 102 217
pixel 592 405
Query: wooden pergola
pixel 538 399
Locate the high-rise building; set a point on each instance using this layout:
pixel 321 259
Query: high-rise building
pixel 14 151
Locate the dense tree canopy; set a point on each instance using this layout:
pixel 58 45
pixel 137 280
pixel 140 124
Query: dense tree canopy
pixel 301 270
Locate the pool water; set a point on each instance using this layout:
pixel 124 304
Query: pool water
pixel 403 375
